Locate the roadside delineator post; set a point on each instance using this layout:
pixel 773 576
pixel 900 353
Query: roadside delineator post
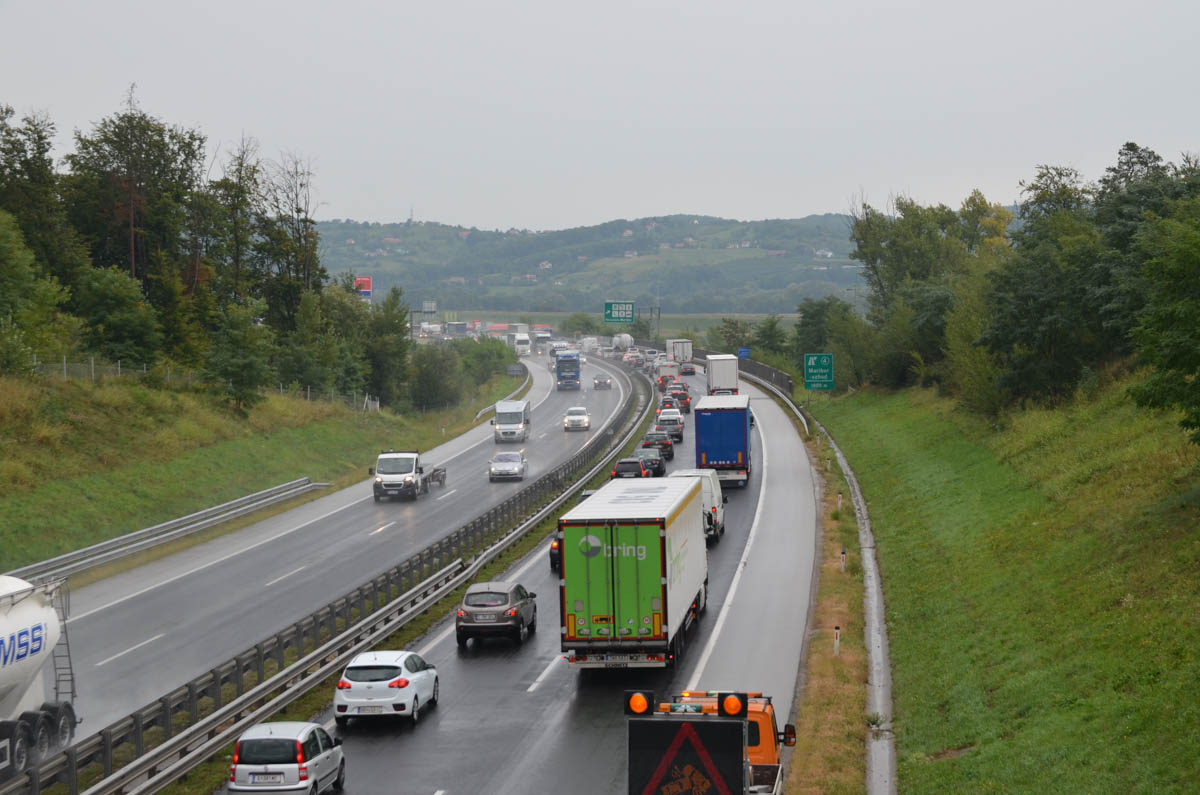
pixel 843 559
pixel 839 501
pixel 837 640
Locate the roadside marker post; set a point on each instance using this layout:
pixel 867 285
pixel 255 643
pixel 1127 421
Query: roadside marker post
pixel 837 640
pixel 843 560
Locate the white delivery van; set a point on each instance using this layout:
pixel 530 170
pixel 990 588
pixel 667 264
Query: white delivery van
pixel 711 500
pixel 511 421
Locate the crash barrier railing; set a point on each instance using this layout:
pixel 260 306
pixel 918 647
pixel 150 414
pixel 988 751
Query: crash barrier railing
pixel 140 540
pixel 509 396
pixel 482 538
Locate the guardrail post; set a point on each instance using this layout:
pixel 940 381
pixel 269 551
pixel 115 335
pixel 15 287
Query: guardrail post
pixel 164 704
pixel 193 702
pixel 280 648
pixel 260 658
pixel 106 749
pixel 332 622
pixel 239 676
pixel 215 689
pixel 71 771
pixel 139 735
pixel 35 779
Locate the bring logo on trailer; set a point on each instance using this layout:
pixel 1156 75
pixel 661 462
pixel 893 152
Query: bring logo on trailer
pixel 590 547
pixel 21 644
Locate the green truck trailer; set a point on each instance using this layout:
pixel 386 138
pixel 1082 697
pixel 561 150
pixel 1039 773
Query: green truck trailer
pixel 634 573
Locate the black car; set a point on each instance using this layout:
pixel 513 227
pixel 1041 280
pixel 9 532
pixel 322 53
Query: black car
pixel 662 441
pixel 687 368
pixel 630 468
pixel 555 552
pixel 652 459
pixel 602 382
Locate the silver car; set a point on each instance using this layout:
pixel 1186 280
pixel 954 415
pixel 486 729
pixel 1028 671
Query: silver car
pixel 287 757
pixel 577 419
pixel 507 466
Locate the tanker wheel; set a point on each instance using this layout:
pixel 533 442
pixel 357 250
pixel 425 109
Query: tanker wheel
pixel 39 730
pixel 62 723
pixel 16 734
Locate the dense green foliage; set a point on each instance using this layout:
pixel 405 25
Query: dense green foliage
pixel 681 263
pixel 136 255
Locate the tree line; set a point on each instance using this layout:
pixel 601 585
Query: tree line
pixel 148 249
pixel 1088 280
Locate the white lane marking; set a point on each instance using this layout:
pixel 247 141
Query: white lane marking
pixel 447 494
pixel 440 792
pixel 131 648
pixel 380 530
pixel 737 578
pixel 284 577
pixel 544 674
pixel 212 563
pixel 544 435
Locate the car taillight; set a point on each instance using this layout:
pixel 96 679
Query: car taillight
pixel 399 683
pixel 299 753
pixel 237 749
pixel 511 611
pixel 343 685
pixel 614 474
pixel 554 543
pixel 462 613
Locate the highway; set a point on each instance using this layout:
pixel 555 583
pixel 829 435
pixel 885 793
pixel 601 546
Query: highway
pixel 514 719
pixel 140 634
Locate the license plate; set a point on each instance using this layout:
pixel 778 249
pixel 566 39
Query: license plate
pixel 485 617
pixel 370 710
pixel 616 665
pixel 393 491
pixel 266 778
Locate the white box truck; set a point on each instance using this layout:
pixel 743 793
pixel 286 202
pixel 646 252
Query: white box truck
pixel 634 573
pixel 679 350
pixel 721 370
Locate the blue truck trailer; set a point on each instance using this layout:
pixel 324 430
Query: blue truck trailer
pixel 566 370
pixel 722 428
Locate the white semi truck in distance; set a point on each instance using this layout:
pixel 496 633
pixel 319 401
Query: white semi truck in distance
pixel 37 682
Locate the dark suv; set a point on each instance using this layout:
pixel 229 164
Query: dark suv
pixel 652 459
pixel 662 441
pixel 496 608
pixel 630 468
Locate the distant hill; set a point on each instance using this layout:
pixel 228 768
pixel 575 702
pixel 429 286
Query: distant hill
pixel 683 263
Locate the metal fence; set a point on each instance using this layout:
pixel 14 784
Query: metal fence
pixel 130 738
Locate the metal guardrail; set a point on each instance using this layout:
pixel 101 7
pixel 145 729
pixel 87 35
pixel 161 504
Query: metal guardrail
pixel 528 375
pixel 131 543
pixel 483 538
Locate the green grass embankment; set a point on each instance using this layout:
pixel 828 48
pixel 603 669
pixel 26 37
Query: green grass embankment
pixel 1042 585
pixel 83 462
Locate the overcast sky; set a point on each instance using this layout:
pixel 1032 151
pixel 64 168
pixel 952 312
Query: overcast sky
pixel 544 115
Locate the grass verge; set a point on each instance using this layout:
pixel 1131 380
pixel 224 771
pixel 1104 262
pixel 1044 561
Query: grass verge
pixel 1042 594
pixel 87 462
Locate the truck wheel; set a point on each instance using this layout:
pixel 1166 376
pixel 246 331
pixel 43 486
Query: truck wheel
pixel 16 735
pixel 39 730
pixel 62 723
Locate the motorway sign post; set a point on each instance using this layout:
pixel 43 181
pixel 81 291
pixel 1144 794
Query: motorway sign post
pixel 818 371
pixel 618 311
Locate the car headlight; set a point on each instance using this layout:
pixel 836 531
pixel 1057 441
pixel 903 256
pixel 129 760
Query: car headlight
pixel 408 478
pixel 378 479
pixel 492 470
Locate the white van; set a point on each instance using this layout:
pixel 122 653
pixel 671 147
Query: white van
pixel 511 421
pixel 711 499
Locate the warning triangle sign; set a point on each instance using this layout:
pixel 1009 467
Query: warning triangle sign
pixel 678 765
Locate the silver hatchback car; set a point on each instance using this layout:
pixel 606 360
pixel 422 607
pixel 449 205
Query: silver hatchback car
pixel 287 757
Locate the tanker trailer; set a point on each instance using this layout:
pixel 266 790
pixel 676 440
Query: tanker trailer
pixel 37 683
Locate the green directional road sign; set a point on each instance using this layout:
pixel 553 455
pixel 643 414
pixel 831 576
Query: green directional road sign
pixel 618 311
pixel 818 371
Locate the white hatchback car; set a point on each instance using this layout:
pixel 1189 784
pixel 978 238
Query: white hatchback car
pixel 385 683
pixel 577 419
pixel 287 757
